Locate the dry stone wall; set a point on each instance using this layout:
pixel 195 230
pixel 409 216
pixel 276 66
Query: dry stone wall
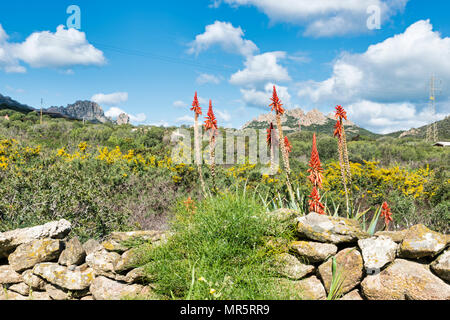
pixel 412 264
pixel 41 263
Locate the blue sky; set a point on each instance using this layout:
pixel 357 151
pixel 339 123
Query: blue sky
pixel 148 58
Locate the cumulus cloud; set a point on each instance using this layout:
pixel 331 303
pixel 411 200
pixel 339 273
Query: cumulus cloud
pixel 226 36
pixel 390 117
pixel 207 78
pixel 114 112
pixel 387 86
pixel 223 115
pixel 322 17
pixel 261 98
pixel 261 69
pixel 112 99
pixel 64 48
pixel 393 70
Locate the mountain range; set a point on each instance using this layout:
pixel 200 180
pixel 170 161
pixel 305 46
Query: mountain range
pixel 294 120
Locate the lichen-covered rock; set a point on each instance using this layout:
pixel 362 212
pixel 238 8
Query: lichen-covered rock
pixel 12 239
pixel 56 293
pixel 396 236
pixel 11 295
pixel 114 246
pixel 421 242
pixel 103 262
pixel 92 246
pixel 352 295
pixel 73 254
pixel 9 276
pixel 313 252
pixel 324 228
pixel 29 254
pixel 63 277
pixel 312 289
pixel 405 280
pixel 20 288
pixel 148 235
pixel 441 266
pixel 289 266
pixel 103 288
pixel 33 281
pixel 377 251
pixel 39 296
pixel 134 276
pixel 127 261
pixel 350 263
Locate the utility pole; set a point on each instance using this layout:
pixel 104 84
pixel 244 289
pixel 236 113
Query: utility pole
pixel 432 131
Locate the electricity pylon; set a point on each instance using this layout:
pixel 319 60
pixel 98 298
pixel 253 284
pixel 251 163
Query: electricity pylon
pixel 432 131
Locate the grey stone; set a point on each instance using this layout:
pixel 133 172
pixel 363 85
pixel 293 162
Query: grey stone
pixel 104 288
pixel 29 254
pixel 377 251
pixel 9 276
pixel 289 266
pixel 441 266
pixel 73 254
pixel 313 252
pixel 62 277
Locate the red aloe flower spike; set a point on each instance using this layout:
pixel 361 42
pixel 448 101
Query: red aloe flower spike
pixel 211 121
pixel 276 102
pixel 315 166
pixel 386 213
pixel 196 106
pixel 340 113
pixel 314 203
pixel 338 129
pixel 269 135
pixel 287 145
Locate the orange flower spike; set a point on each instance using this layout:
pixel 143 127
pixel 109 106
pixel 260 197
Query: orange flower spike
pixel 315 166
pixel 340 113
pixel 287 145
pixel 196 106
pixel 269 135
pixel 211 121
pixel 314 203
pixel 338 129
pixel 386 213
pixel 276 102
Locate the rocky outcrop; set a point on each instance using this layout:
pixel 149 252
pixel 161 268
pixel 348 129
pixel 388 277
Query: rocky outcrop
pixel 43 264
pixel 82 110
pixel 122 119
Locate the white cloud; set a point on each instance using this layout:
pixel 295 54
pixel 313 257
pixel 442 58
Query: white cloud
pixel 223 115
pixel 261 69
pixel 390 117
pixel 397 69
pixel 112 99
pixel 225 35
pixel 389 80
pixel 114 112
pixel 261 98
pixel 207 78
pixel 180 104
pixel 185 119
pixel 64 48
pixel 323 17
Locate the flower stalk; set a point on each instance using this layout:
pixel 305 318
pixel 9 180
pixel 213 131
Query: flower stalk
pixel 198 159
pixel 344 163
pixel 277 106
pixel 211 126
pixel 316 179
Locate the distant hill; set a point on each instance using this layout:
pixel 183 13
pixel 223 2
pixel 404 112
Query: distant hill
pixel 295 120
pixel 8 103
pixel 443 127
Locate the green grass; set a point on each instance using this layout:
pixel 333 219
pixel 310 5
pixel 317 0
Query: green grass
pixel 218 252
